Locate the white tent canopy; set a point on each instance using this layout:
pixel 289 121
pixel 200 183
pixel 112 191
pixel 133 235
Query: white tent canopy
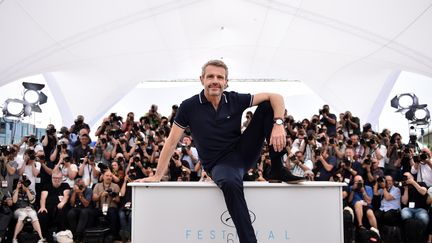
pixel 92 53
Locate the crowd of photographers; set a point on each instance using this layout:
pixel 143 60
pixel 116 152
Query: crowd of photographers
pixel 63 180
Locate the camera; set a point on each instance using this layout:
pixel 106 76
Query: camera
pixel 293 158
pixel 317 152
pixel 184 175
pixel 416 158
pixel 81 187
pixel 350 142
pixel 403 180
pixel 25 181
pixel 381 179
pixel 367 160
pixel 51 131
pixel 345 117
pixel 332 141
pixel 6 150
pixel 136 159
pixel 424 156
pixel 111 193
pixel 132 173
pixel 347 161
pixel 103 167
pixel 175 156
pixel 359 185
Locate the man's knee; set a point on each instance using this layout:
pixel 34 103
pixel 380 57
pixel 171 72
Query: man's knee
pixel 264 106
pixel 230 183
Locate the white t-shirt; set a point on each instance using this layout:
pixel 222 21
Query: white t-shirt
pixel 66 178
pixel 28 170
pixel 88 170
pixel 424 174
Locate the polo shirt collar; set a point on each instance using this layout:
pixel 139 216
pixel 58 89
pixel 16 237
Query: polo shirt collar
pixel 203 99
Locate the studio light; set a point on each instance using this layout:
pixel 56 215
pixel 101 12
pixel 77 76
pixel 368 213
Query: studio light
pixel 418 115
pixel 403 102
pixel 15 108
pixel 34 96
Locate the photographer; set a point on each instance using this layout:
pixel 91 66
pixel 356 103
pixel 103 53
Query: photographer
pixel 125 214
pixel 389 211
pixel 81 150
pixel 174 109
pixel 121 146
pixel 360 196
pixel 6 214
pixel 178 169
pixel 89 171
pixel 54 205
pixel 190 154
pixel 299 143
pixel 248 117
pixel 421 165
pixel 106 199
pixel 24 198
pixel 102 150
pixel 324 164
pixel 298 165
pixel 414 196
pixel 78 125
pixel 336 147
pixel 153 116
pixel 8 169
pixel 329 120
pixel 68 169
pixel 49 141
pixel 394 155
pixel 350 124
pixel 376 151
pixel 350 166
pixel 31 168
pixel 117 172
pixel 28 142
pixel 81 215
pixel 357 145
pixel 60 149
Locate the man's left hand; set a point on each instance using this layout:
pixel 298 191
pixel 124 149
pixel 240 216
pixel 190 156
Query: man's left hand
pixel 278 138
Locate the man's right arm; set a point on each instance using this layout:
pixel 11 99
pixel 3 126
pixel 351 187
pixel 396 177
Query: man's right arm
pixel 166 153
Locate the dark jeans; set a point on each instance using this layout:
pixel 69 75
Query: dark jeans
pixel 112 219
pixel 53 220
pixel 125 219
pixel 5 218
pixel 79 219
pixel 228 174
pixel 391 217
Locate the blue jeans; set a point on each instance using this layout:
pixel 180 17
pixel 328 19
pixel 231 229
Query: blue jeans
pixel 415 213
pixel 125 220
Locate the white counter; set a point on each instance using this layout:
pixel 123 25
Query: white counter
pixel 196 212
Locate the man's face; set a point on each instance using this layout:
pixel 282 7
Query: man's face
pixel 107 177
pixel 349 153
pixel 186 141
pixel 56 179
pixel 389 181
pixel 84 140
pixel 214 80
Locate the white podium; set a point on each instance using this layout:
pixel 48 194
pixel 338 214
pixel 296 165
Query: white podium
pixel 193 212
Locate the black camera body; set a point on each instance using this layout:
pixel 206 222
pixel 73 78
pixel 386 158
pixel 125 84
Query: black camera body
pixel 111 193
pixel 51 131
pixel 317 152
pixel 25 181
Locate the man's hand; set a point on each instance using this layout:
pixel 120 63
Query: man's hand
pixel 60 205
pixel 42 209
pixel 278 138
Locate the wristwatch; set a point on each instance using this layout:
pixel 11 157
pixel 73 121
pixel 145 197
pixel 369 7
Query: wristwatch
pixel 278 121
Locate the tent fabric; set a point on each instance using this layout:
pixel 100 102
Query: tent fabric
pixel 348 52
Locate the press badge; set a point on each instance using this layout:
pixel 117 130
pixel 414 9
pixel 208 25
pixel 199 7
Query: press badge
pixel 105 207
pixel 4 184
pixel 411 204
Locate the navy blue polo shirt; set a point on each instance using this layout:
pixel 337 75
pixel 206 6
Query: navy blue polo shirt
pixel 215 132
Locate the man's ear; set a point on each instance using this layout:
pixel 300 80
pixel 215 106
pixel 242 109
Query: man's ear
pixel 201 79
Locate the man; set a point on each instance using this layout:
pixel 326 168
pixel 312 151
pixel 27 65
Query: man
pixel 329 120
pixel 30 168
pixel 78 125
pixel 298 165
pixel 24 198
pixel 422 166
pixel 389 211
pixel 81 150
pixel 89 171
pixel 81 214
pixel 189 154
pixel 8 169
pixel 106 199
pixel 53 205
pixel 324 165
pixel 360 196
pixel 414 197
pixel 214 117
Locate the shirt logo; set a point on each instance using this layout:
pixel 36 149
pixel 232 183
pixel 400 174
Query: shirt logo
pixel 228 117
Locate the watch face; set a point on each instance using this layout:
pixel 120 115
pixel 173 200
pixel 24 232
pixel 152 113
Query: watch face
pixel 279 121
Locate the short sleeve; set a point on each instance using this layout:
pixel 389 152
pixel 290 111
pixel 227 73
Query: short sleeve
pixel 245 100
pixel 181 119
